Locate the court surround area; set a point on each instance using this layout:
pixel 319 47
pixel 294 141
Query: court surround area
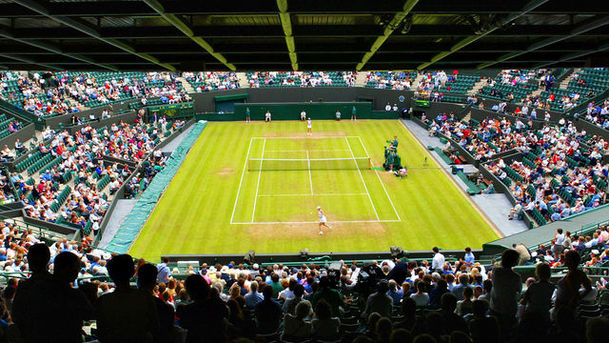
pixel 256 185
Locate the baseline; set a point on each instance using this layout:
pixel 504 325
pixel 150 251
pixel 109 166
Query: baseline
pixel 316 222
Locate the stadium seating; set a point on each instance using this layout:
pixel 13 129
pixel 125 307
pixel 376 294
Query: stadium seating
pixel 390 80
pixel 297 79
pixel 519 83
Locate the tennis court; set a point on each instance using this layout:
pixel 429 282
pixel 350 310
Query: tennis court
pixel 301 173
pixel 257 186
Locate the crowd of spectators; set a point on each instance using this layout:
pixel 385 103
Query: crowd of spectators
pixel 47 94
pixel 399 80
pixel 558 172
pixel 208 81
pixel 598 114
pixel 440 299
pixel 482 139
pixel 40 93
pixel 76 188
pixel 301 79
pixel 559 175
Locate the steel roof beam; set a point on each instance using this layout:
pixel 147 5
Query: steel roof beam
pixel 392 26
pixel 28 61
pixel 286 25
pixel 589 26
pixel 530 6
pixel 601 48
pixel 90 31
pixel 179 24
pixel 54 49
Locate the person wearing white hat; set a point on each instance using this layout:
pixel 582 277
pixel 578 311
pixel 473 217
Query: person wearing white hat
pixel 323 221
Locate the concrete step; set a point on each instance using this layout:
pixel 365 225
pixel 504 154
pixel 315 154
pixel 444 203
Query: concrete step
pixel 417 80
pixel 243 81
pixel 477 86
pixel 565 82
pixel 538 91
pixel 186 85
pixel 77 104
pixel 361 79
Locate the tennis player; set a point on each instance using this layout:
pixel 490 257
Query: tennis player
pixel 323 221
pixel 309 127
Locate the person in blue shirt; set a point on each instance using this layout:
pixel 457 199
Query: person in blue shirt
pixel 394 292
pixel 468 259
pixel 47 176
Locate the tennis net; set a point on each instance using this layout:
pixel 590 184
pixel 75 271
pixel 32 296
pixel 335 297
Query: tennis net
pixel 257 164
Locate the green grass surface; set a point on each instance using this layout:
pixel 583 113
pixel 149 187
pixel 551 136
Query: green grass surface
pixel 217 205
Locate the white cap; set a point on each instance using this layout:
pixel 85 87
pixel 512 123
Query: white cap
pixel 319 207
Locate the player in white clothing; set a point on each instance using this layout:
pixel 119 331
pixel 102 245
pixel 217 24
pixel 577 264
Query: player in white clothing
pixel 323 221
pixel 309 127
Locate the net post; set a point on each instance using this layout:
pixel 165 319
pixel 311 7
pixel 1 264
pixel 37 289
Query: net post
pixel 248 164
pixel 369 163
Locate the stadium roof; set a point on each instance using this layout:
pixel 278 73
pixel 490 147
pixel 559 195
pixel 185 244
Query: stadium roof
pixel 307 35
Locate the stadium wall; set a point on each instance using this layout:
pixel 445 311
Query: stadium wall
pixel 23 135
pixel 297 258
pixel 66 119
pixel 205 102
pixel 128 117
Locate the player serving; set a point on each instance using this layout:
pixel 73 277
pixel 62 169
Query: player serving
pixel 309 127
pixel 323 221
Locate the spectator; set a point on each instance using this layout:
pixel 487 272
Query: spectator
pixel 538 297
pixel 452 322
pixel 438 260
pixel 164 271
pixel 268 313
pixel 38 260
pixel 55 309
pixel 395 293
pixel 325 326
pixel 463 284
pixel 289 306
pixel 253 297
pixel 147 281
pixel 328 294
pixel 421 298
pixel 379 301
pixel 506 288
pixel 296 327
pixel 465 306
pixel 568 295
pixel 483 328
pixel 205 317
pixel 126 314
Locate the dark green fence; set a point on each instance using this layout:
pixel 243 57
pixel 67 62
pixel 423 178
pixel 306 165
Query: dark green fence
pixel 291 111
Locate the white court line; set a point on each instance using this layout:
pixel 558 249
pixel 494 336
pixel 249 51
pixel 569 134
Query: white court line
pixel 361 177
pixel 381 181
pixel 305 195
pixel 316 222
pixel 301 150
pixel 258 185
pixel 305 137
pixel 241 182
pixel 310 177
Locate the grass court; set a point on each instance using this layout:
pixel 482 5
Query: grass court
pixel 256 186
